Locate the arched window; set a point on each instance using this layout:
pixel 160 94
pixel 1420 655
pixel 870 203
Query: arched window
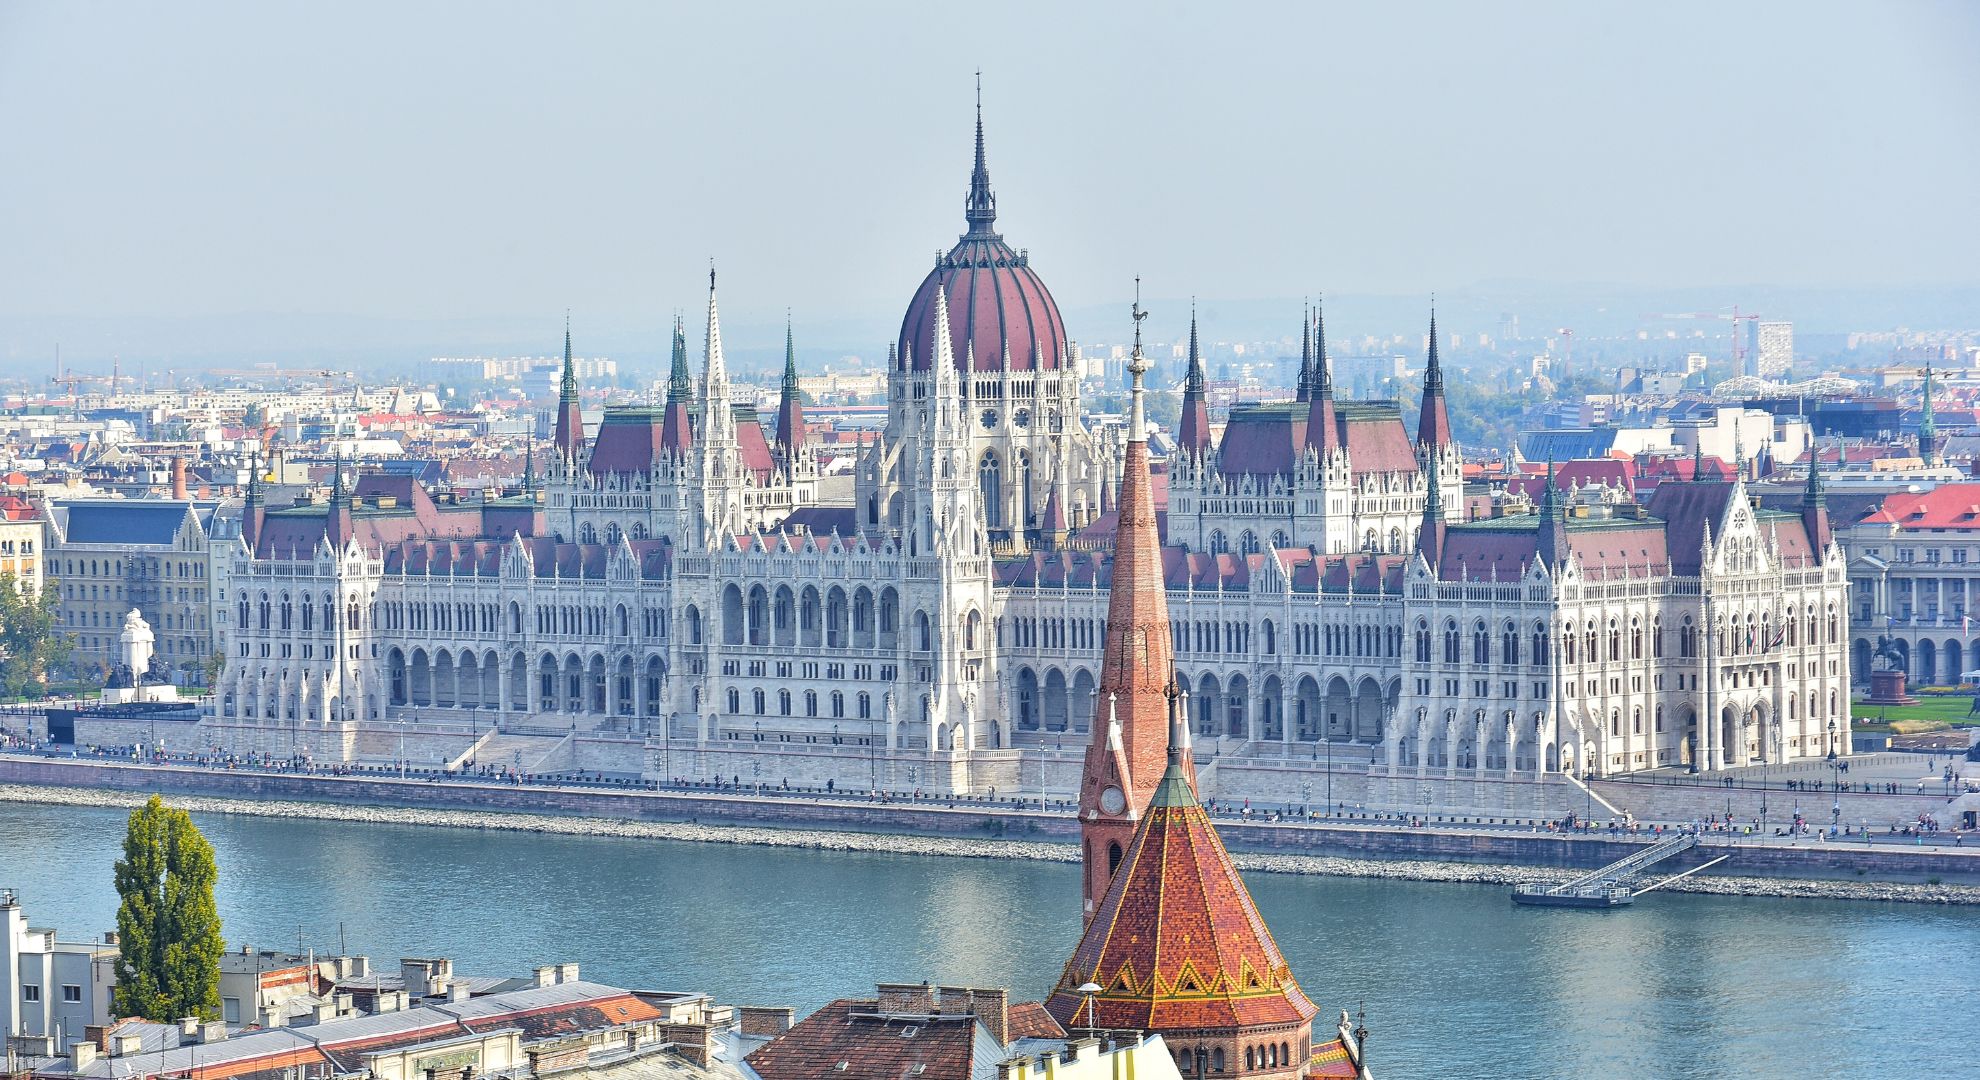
pixel 1635 640
pixel 1422 640
pixel 1481 644
pixel 1451 643
pixel 990 482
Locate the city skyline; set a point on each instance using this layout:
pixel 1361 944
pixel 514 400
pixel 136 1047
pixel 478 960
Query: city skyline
pixel 258 215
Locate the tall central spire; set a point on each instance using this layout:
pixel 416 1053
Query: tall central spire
pixel 1129 747
pixel 981 209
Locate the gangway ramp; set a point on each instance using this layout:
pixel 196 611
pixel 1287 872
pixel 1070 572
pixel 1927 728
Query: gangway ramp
pixel 1607 887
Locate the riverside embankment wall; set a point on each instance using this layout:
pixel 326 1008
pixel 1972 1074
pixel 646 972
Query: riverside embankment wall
pixel 1371 843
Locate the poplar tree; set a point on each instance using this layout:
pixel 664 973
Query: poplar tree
pixel 168 926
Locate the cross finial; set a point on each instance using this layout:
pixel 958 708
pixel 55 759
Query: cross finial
pixel 711 273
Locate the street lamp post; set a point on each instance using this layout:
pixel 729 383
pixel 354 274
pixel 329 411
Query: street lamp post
pixel 1835 784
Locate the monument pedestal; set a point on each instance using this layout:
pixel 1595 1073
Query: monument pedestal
pixel 1887 688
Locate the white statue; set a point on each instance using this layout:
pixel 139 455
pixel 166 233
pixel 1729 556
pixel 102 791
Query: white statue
pixel 136 642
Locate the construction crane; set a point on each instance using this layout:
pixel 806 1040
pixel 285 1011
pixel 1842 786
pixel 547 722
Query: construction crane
pixel 1738 348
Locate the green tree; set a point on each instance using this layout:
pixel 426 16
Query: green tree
pixel 168 926
pixel 29 642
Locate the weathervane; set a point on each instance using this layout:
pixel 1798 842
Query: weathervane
pixel 1138 363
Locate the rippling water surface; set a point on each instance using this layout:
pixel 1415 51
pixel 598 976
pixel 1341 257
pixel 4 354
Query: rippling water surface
pixel 1457 981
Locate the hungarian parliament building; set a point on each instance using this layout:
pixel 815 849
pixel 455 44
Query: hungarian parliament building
pixel 671 597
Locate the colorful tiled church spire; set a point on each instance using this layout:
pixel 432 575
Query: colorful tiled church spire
pixel 1125 760
pixel 1176 947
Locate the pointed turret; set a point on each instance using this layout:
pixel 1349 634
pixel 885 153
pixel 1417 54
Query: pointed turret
pixel 570 421
pixel 254 513
pixel 1193 432
pixel 1430 535
pixel 790 405
pixel 981 208
pixel 1815 506
pixel 1322 425
pixel 676 429
pixel 337 525
pixel 1433 422
pixel 1305 356
pixel 1928 425
pixel 1553 541
pixel 717 422
pixel 1137 672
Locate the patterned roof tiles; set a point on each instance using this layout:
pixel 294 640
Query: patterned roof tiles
pixel 1176 945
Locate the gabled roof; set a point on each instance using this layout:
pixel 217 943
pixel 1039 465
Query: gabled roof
pixel 851 1040
pixel 151 522
pixel 1948 506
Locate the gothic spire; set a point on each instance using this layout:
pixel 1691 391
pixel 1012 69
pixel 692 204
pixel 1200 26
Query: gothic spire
pixel 717 424
pixel 1323 376
pixel 1305 353
pixel 1193 431
pixel 1928 426
pixel 1433 421
pixel 790 403
pixel 1129 746
pixel 1430 536
pixel 680 384
pixel 1322 426
pixel 570 420
pixel 1553 543
pixel 981 209
pixel 1815 505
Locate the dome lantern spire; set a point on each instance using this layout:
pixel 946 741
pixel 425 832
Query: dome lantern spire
pixel 981 209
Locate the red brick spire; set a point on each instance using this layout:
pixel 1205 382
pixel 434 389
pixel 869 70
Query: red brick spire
pixel 1125 760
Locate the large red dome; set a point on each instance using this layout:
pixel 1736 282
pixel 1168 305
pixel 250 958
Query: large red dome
pixel 996 301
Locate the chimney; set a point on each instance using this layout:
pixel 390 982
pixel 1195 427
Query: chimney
pixel 1014 1068
pixel 766 1022
pixel 344 1004
pixel 272 1017
pixel 188 1028
pixel 457 992
pixel 567 973
pixel 178 476
pixel 546 975
pixel 213 1031
pixel 915 999
pixel 389 1001
pixel 355 967
pixel 324 1010
pixel 81 1056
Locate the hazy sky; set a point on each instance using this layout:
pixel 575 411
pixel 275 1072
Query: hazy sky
pixel 493 160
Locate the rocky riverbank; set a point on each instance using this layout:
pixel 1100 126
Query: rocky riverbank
pixel 893 844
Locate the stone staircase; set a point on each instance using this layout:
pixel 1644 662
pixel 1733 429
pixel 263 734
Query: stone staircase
pixel 518 753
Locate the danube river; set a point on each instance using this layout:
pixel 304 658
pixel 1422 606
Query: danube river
pixel 1457 981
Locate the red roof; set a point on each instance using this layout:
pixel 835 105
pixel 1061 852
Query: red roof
pixel 1948 506
pixel 1177 946
pixel 852 1040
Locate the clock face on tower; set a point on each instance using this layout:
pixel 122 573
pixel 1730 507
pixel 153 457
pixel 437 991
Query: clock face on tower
pixel 1112 801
